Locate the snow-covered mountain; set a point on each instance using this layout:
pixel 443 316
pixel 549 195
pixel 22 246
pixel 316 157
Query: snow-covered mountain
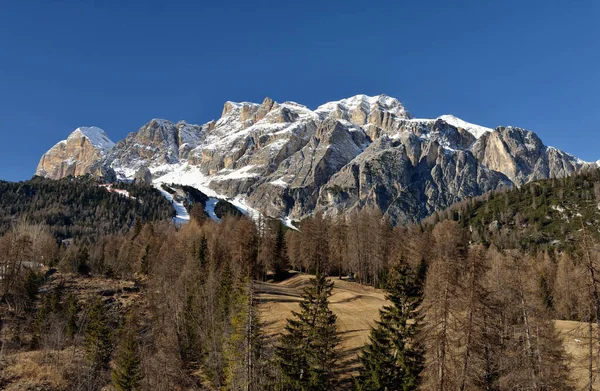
pixel 286 160
pixel 75 155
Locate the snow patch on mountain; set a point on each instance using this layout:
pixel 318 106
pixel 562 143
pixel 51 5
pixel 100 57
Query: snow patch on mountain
pixel 95 135
pixel 241 173
pixel 368 103
pixel 475 130
pixel 182 216
pixel 210 209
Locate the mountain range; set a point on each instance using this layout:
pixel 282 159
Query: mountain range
pixel 287 161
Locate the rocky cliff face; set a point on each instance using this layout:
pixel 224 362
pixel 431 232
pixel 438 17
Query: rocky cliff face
pixel 284 159
pixel 77 155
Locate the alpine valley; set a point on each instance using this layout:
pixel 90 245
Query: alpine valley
pixel 287 161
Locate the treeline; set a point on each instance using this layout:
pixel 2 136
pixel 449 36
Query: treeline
pixel 466 311
pixel 78 207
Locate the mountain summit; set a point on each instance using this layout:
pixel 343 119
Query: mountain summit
pixel 75 155
pixel 287 160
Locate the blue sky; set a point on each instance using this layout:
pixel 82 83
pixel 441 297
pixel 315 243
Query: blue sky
pixel 118 64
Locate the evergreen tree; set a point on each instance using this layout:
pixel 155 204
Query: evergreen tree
pixel 127 373
pixel 393 358
pixel 145 262
pixel 306 355
pixel 97 337
pixel 72 310
pixel 281 263
pixel 203 251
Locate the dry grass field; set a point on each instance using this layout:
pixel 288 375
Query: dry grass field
pixel 357 308
pixel 576 342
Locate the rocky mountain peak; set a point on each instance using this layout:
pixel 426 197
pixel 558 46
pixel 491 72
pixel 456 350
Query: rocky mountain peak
pixel 284 159
pixel 75 155
pixel 96 136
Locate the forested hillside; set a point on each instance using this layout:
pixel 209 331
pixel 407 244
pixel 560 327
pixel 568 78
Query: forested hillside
pixel 79 207
pixel 543 215
pixel 470 306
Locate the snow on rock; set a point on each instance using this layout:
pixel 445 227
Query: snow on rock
pixel 184 174
pixel 240 203
pixel 95 135
pixel 241 173
pixel 475 130
pixel 368 103
pixel 210 208
pixel 280 182
pixel 121 192
pixel 289 223
pixel 182 215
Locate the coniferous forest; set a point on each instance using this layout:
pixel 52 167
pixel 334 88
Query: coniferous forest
pixel 495 293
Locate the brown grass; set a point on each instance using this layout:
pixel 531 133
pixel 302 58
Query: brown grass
pixel 356 306
pixel 38 370
pixel 575 337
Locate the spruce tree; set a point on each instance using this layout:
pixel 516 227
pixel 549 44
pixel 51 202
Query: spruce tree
pixel 97 337
pixel 203 251
pixel 393 358
pixel 306 355
pixel 127 373
pixel 72 310
pixel 145 261
pixel 281 263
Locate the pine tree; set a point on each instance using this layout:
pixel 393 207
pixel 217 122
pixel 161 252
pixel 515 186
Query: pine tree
pixel 394 358
pixel 307 353
pixel 127 373
pixel 97 337
pixel 72 310
pixel 203 251
pixel 145 262
pixel 281 263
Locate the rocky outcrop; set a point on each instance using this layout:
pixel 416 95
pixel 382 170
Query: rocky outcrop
pixel 77 155
pixel 285 159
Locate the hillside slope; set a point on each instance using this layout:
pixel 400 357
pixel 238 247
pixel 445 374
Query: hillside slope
pixel 80 207
pixel 545 214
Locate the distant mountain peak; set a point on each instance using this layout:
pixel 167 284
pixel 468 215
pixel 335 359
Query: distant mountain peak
pixel 287 160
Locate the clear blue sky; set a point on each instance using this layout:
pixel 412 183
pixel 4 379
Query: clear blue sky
pixel 118 64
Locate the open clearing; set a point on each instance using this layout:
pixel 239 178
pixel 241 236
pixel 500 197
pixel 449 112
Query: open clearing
pixel 357 308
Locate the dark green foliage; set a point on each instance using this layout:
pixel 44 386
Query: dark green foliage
pixel 127 371
pixel 78 207
pixel 145 261
pixel 542 215
pixel 203 252
pixel 82 261
pixel 394 358
pixel 281 263
pixel 33 282
pixel 195 195
pixel 98 346
pixel 168 189
pixel 224 208
pixel 225 292
pixel 39 325
pixel 72 310
pixel 307 353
